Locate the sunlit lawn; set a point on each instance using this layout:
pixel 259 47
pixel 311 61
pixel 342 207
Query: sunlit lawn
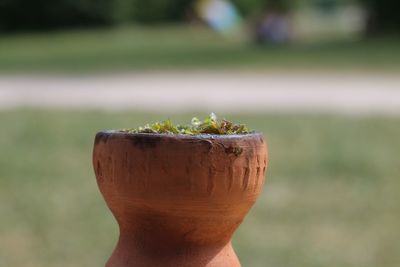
pixel 331 200
pixel 183 47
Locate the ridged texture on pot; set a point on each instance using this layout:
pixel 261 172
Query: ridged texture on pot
pixel 178 199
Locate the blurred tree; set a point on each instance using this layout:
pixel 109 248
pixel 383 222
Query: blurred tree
pixel 158 11
pixel 384 16
pixel 255 7
pixel 16 15
pixel 249 7
pixel 48 14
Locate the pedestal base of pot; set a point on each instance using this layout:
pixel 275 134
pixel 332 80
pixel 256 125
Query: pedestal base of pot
pixel 128 254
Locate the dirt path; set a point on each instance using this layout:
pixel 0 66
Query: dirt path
pixel 338 93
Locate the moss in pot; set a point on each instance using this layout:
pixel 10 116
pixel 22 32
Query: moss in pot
pixel 179 193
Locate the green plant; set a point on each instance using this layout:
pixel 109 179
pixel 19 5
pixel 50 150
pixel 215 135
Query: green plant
pixel 210 125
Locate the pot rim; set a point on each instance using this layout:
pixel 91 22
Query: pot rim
pixel 181 136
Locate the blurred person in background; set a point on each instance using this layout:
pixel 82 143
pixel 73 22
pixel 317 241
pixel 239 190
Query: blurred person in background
pixel 274 25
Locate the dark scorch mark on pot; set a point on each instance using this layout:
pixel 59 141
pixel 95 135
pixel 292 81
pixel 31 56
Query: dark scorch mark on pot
pixel 200 142
pixel 234 150
pixel 101 136
pixel 144 142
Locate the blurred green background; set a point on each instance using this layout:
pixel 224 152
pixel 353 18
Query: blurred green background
pixel 186 47
pixel 333 187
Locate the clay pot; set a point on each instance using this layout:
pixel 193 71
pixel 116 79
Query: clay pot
pixel 177 198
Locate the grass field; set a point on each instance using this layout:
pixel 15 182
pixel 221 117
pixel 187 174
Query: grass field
pixel 331 198
pixel 183 47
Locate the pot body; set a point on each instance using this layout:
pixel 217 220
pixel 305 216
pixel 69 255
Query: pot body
pixel 178 199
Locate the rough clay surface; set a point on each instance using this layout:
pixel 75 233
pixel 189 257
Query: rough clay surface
pixel 178 199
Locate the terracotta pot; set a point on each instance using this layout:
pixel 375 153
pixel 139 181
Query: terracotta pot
pixel 177 198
